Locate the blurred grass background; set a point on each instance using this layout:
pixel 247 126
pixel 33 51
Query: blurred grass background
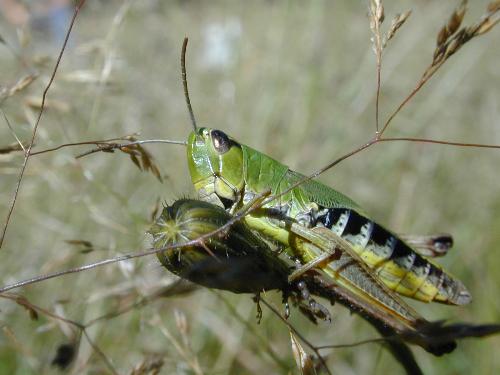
pixel 294 80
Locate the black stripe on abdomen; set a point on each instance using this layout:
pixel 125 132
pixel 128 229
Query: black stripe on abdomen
pixel 402 255
pixel 358 229
pixel 377 246
pixel 335 219
pixel 364 232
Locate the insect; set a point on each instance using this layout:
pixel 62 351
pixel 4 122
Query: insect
pixel 230 174
pixel 277 221
pixel 318 226
pixel 335 237
pixel 239 261
pixel 315 224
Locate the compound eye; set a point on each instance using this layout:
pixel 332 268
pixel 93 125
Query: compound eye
pixel 220 141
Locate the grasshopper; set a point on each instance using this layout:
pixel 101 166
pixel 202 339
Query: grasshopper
pixel 323 229
pixel 365 265
pixel 230 174
pixel 241 262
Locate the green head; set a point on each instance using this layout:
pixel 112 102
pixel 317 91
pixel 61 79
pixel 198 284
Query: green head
pixel 216 166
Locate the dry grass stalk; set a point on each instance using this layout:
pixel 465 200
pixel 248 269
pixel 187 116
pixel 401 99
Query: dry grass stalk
pixel 151 365
pixel 184 348
pixel 155 209
pixel 379 42
pixel 15 342
pixel 37 122
pixel 22 301
pixel 13 147
pixel 80 328
pixel 21 84
pixel 35 102
pixel 19 145
pixel 141 157
pixel 376 18
pixel 449 41
pixel 299 336
pixel 84 246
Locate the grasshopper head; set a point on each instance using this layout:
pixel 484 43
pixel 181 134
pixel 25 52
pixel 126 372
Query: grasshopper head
pixel 216 166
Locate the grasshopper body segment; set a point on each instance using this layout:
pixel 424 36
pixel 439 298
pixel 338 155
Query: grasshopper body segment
pixel 239 261
pixel 395 262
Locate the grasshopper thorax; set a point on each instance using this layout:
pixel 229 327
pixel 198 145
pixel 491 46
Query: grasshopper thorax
pixel 216 166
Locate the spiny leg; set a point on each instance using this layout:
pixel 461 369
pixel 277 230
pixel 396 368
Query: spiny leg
pixel 316 308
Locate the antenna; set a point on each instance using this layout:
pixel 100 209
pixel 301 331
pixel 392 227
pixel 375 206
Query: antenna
pixel 185 83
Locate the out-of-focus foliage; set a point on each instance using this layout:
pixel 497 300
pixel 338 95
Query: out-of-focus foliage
pixel 294 80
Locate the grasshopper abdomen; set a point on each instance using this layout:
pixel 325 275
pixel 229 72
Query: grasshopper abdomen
pixel 394 261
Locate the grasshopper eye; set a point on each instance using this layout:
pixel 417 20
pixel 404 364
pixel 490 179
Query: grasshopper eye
pixel 220 141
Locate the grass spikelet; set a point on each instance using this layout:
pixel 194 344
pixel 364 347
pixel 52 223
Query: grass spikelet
pixel 142 158
pixel 396 23
pixel 449 40
pixel 305 362
pixel 452 25
pixel 376 19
